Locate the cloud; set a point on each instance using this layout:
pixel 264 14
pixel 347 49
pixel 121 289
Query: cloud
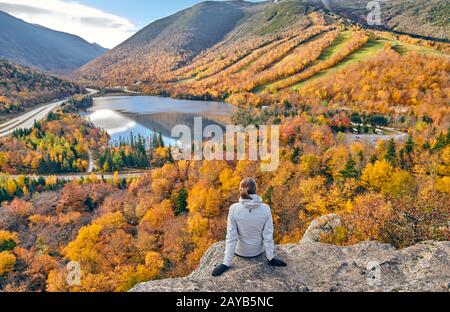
pixel 89 23
pixel 14 8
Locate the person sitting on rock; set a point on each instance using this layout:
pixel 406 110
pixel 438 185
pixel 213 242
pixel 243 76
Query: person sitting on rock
pixel 249 230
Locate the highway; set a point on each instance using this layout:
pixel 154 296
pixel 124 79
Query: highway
pixel 26 120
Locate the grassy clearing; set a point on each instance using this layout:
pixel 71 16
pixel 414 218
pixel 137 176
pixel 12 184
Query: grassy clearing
pixel 336 46
pixel 403 48
pixel 186 80
pixel 341 40
pixel 369 50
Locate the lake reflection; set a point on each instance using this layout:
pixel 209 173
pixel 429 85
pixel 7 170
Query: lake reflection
pixel 122 115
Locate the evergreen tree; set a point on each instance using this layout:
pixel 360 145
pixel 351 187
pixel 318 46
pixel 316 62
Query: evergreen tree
pixel 267 196
pixel 441 142
pixel 350 171
pixel 391 153
pixel 409 147
pixel 155 142
pixel 132 140
pixel 361 158
pixel 160 140
pixel 325 170
pixel 402 161
pixel 295 157
pixel 181 202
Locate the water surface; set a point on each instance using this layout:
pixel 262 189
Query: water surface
pixel 122 116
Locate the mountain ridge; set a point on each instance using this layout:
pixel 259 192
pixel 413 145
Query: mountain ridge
pixel 427 18
pixel 169 41
pixel 173 41
pixel 177 41
pixel 43 48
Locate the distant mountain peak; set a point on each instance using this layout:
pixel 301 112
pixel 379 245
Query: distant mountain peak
pixel 40 47
pixel 99 46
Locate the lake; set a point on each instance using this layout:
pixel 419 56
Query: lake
pixel 122 116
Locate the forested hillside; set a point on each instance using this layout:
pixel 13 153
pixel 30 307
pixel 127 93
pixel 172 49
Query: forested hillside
pixel 231 35
pixel 123 232
pixel 22 87
pixel 173 41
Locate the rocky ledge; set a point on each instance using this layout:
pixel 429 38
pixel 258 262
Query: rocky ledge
pixel 312 266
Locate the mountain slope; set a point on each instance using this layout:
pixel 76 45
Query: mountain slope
pixel 421 17
pixel 43 48
pixel 22 87
pixel 214 40
pixel 173 41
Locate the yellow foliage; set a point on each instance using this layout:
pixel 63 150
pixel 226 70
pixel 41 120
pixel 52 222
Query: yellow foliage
pixel 375 176
pixel 162 152
pixel 21 181
pixel 284 174
pixel 400 183
pixel 369 214
pixel 309 164
pixel 11 187
pixel 56 281
pixel 339 158
pixel 229 181
pixel 197 225
pixel 110 221
pixel 156 216
pixel 6 236
pixel 93 178
pixel 51 181
pixel 443 185
pixel 211 170
pixel 205 200
pixel 154 260
pixel 445 155
pixel 116 180
pixel 7 262
pixel 82 248
pixel 444 169
pixel 201 246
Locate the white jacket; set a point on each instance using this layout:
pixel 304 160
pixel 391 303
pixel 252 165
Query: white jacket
pixel 250 230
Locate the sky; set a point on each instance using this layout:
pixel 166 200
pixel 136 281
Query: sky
pixel 106 22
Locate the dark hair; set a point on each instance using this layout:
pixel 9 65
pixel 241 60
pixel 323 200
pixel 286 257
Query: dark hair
pixel 247 188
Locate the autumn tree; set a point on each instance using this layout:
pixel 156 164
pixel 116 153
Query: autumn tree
pixel 350 171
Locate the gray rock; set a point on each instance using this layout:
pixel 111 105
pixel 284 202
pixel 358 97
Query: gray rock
pixel 312 266
pixel 322 225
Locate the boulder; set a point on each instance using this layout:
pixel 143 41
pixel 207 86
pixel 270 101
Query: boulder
pixel 317 267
